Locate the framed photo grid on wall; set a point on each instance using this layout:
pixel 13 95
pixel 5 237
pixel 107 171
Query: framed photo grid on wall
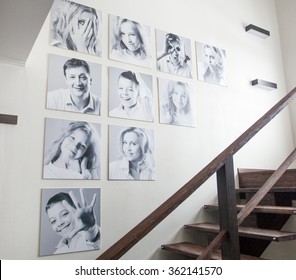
pixel 72 148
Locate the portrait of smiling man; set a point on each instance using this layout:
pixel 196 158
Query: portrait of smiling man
pixel 71 86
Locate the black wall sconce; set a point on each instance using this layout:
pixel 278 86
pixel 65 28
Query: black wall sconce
pixel 264 84
pixel 258 31
pixel 8 119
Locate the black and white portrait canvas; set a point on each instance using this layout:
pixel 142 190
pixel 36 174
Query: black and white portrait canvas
pixel 70 220
pixel 76 27
pixel 176 103
pixel 131 153
pixel 173 54
pixel 73 85
pixel 71 150
pixel 130 95
pixel 211 64
pixel 129 41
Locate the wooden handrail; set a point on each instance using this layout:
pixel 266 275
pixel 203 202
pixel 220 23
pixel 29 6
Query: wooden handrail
pixel 144 227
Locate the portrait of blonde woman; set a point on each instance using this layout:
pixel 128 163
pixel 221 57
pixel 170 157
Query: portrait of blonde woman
pixel 130 41
pixel 76 27
pixel 71 150
pixel 176 103
pixel 131 153
pixel 211 64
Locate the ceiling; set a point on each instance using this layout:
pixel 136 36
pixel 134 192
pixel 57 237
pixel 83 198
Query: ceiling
pixel 20 23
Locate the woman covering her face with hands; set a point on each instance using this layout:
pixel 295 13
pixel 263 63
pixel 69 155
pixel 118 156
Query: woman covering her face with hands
pixel 76 27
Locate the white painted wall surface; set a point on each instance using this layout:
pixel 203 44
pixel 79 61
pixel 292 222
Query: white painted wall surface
pixel 286 21
pixel 223 114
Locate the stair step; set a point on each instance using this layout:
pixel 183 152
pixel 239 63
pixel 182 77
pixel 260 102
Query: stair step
pixel 250 232
pixel 273 190
pixel 193 251
pixel 262 209
pixel 257 177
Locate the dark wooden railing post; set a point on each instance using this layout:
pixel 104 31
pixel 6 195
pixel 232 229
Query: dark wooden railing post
pixel 227 210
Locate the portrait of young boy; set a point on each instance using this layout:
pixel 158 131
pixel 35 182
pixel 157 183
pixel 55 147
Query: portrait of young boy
pixel 70 221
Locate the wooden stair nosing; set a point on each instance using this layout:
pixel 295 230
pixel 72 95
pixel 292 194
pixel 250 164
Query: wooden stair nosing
pixel 260 170
pixel 284 210
pixel 274 189
pixel 250 232
pixel 193 251
pixel 257 177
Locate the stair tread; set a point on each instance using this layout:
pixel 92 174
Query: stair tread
pixel 193 251
pixel 251 232
pixel 263 209
pixel 257 177
pixel 274 189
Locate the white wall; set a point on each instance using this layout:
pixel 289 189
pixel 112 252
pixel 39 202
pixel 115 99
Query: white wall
pixel 223 114
pixel 286 19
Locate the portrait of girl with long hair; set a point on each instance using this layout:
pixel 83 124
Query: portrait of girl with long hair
pixel 129 41
pixel 176 103
pixel 211 64
pixel 71 150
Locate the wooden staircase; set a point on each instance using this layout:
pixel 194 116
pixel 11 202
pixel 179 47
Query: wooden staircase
pixel 264 224
pixel 230 236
